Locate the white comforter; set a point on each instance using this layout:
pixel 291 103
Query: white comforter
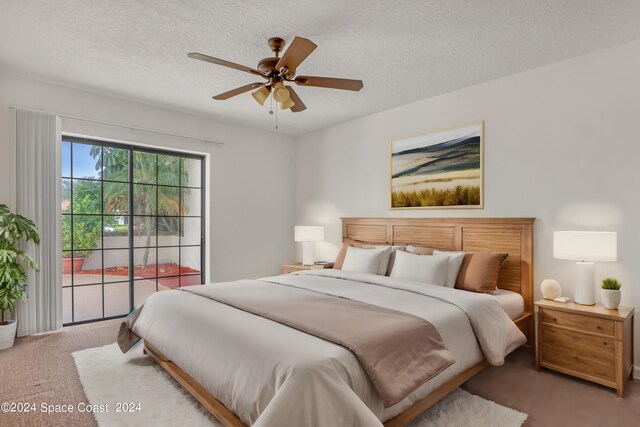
pixel 271 375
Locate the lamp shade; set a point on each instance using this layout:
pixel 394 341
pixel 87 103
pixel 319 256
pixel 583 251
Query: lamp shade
pixel 591 246
pixel 308 233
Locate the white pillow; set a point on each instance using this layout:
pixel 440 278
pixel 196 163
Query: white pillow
pixel 455 262
pixel 385 259
pixel 364 260
pixel 430 269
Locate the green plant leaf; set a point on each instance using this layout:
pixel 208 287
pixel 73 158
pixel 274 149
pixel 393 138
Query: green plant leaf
pixel 611 284
pixel 15 229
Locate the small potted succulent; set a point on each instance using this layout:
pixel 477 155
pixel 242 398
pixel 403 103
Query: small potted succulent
pixel 14 229
pixel 610 293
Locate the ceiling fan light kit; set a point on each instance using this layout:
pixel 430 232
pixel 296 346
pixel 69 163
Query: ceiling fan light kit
pixel 277 70
pixel 262 94
pixel 280 93
pixel 285 105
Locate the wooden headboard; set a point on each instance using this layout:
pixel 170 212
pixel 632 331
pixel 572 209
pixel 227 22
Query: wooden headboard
pixel 508 235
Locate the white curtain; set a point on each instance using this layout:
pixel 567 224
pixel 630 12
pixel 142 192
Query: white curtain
pixel 38 198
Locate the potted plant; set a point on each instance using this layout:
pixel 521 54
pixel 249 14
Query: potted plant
pixel 13 277
pixel 85 235
pixel 610 293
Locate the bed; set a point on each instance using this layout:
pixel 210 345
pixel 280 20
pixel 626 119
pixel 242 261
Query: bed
pixel 248 370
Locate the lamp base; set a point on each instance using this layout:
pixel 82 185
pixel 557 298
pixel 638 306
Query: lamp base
pixel 307 253
pixel 585 284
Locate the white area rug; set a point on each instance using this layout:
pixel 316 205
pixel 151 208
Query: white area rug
pixel 109 377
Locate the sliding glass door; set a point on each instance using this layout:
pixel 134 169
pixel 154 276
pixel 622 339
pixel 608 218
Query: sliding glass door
pixel 132 225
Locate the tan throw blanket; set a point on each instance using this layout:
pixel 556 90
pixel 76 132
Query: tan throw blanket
pixel 398 351
pixel 126 337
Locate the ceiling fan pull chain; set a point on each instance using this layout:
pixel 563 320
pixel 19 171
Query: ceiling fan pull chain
pixel 271 106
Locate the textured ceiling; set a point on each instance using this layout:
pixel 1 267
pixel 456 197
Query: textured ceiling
pixel 403 50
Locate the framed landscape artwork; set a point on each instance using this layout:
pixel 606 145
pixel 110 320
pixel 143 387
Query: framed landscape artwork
pixel 441 169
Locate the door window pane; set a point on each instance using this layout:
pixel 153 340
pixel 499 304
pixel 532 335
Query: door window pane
pixel 116 164
pixel 86 197
pixel 67 267
pixel 87 302
pixel 66 204
pixel 116 231
pixel 190 231
pixel 168 231
pixel 67 306
pixel 144 261
pixel 168 201
pixel 168 261
pixel 191 172
pixel 87 233
pixel 90 270
pixel 145 168
pixel 66 232
pixel 116 198
pixel 66 159
pixel 144 231
pixel 116 299
pixel 168 170
pixel 86 161
pixel 116 265
pixel 145 199
pixel 191 202
pixel 190 260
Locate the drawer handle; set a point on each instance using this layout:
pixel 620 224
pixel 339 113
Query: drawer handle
pixel 555 320
pixel 604 343
pixel 599 327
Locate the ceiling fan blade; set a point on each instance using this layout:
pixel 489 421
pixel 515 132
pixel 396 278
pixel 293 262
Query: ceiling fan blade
pixel 330 82
pixel 217 61
pixel 299 105
pixel 237 91
pixel 296 53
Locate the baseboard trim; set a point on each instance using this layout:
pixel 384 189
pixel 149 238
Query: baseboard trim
pixel 636 372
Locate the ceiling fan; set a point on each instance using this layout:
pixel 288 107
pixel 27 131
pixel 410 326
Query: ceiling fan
pixel 277 71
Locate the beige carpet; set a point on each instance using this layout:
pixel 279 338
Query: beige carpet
pixel 41 369
pixel 109 377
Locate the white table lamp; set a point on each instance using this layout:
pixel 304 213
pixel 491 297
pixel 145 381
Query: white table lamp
pixel 308 234
pixel 585 247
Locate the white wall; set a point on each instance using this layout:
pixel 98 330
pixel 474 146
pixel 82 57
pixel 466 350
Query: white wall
pixel 250 178
pixel 562 144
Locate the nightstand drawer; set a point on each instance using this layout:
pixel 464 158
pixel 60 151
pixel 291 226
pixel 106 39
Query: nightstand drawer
pixel 579 353
pixel 579 322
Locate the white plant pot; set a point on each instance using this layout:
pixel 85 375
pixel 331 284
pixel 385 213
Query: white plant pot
pixel 610 298
pixel 7 334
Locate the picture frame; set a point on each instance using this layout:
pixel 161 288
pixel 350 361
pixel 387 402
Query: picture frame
pixel 440 169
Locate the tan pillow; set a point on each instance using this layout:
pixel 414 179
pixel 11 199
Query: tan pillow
pixel 420 250
pixel 479 271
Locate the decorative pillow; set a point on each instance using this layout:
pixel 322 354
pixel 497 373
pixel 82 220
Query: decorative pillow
pixel 455 262
pixel 384 260
pixel 364 260
pixel 420 250
pixel 479 271
pixel 343 251
pixel 430 269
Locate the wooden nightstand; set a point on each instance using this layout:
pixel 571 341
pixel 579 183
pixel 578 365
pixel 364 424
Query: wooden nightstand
pixel 589 342
pixel 291 268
